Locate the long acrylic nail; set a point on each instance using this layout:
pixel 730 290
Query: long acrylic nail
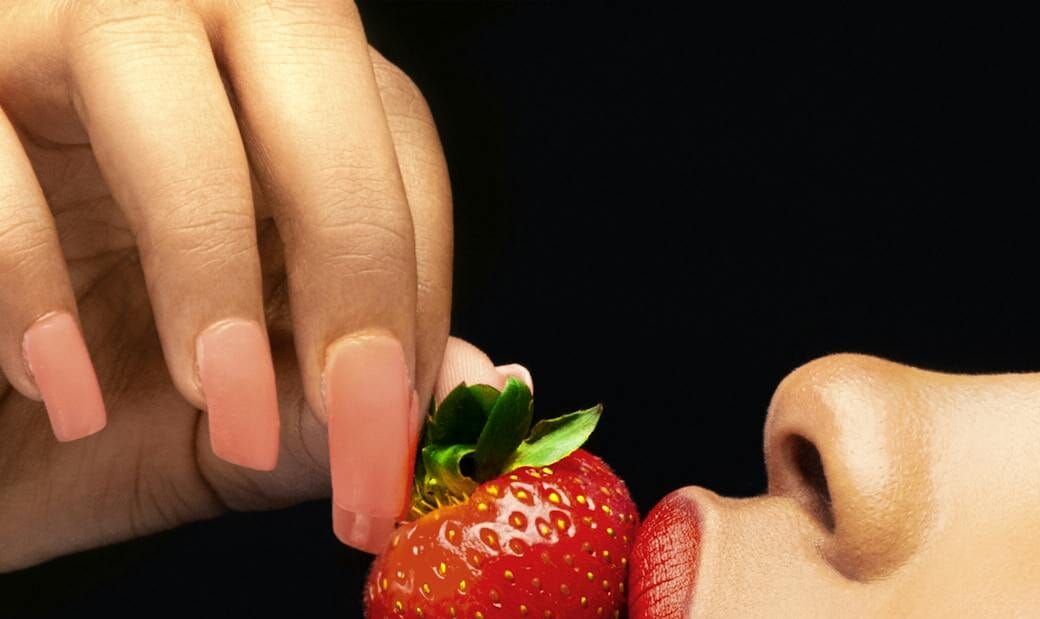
pixel 59 362
pixel 237 376
pixel 368 399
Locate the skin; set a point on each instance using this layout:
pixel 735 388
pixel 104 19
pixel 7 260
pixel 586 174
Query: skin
pixel 932 481
pixel 165 166
pixel 930 509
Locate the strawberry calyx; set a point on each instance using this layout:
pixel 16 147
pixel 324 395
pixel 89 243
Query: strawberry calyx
pixel 479 433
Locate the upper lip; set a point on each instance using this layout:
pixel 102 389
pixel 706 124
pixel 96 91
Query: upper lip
pixel 665 555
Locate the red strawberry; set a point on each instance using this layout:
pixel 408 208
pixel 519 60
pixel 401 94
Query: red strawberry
pixel 507 527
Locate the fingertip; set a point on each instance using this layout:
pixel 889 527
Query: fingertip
pixel 518 372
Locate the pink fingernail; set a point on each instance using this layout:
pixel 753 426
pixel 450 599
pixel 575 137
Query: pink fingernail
pixel 368 533
pixel 368 398
pixel 518 372
pixel 237 375
pixel 59 362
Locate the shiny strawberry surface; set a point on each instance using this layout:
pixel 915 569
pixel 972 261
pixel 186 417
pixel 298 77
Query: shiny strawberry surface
pixel 545 542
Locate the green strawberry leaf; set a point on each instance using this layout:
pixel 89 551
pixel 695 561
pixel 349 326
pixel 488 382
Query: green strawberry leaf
pixel 443 471
pixel 507 425
pixel 461 415
pixel 552 440
pixel 486 395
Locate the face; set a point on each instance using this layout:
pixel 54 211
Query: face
pixel 893 492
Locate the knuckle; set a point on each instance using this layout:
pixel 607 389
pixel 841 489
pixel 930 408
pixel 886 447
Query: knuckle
pixel 360 244
pixel 205 215
pixel 304 22
pixel 401 96
pixel 132 27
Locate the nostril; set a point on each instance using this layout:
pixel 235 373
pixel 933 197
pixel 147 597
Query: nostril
pixel 805 459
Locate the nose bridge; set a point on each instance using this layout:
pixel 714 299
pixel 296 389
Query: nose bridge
pixel 843 437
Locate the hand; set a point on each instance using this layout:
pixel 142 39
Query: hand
pixel 174 176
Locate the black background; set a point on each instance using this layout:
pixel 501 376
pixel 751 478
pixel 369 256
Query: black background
pixel 667 212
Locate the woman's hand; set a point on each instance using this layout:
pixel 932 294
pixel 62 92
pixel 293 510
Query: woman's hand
pixel 174 177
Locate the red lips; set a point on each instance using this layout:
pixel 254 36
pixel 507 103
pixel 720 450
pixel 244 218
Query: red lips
pixel 664 560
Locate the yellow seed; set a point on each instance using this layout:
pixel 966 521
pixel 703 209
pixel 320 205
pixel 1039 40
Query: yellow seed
pixel 508 575
pixel 442 568
pixel 621 587
pixel 606 555
pixel 584 602
pixel 561 524
pixel 491 539
pixel 547 470
pixel 478 615
pixel 604 490
pixel 554 498
pixel 590 576
pixel 462 586
pixel 521 494
pixel 418 612
pixel 533 473
pixel 397 540
pixel 482 506
pixel 451 611
pixel 536 583
pixel 400 575
pixel 580 498
pixel 610 531
pixel 606 585
pixel 606 509
pixel 492 490
pixel 624 561
pixel 544 529
pixel 523 610
pixel 569 560
pixel 599 611
pixel 514 477
pixel 399 606
pixel 383 584
pixel 426 588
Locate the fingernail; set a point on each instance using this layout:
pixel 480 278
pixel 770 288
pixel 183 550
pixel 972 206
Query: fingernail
pixel 59 362
pixel 368 533
pixel 368 399
pixel 518 372
pixel 237 376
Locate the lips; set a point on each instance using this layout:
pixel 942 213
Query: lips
pixel 664 560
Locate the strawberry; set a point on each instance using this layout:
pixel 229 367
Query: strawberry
pixel 507 526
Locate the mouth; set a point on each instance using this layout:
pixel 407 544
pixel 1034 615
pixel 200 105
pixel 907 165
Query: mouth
pixel 663 573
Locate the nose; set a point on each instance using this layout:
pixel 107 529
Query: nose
pixel 845 438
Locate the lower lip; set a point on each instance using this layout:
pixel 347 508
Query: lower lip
pixel 664 560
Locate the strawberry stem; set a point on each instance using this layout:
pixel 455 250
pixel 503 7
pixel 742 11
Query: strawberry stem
pixel 478 433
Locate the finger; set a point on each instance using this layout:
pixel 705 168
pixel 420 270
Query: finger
pixel 148 92
pixel 42 351
pixel 424 173
pixel 465 363
pixel 319 140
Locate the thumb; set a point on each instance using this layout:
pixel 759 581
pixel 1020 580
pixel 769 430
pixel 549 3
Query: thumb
pixel 465 363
